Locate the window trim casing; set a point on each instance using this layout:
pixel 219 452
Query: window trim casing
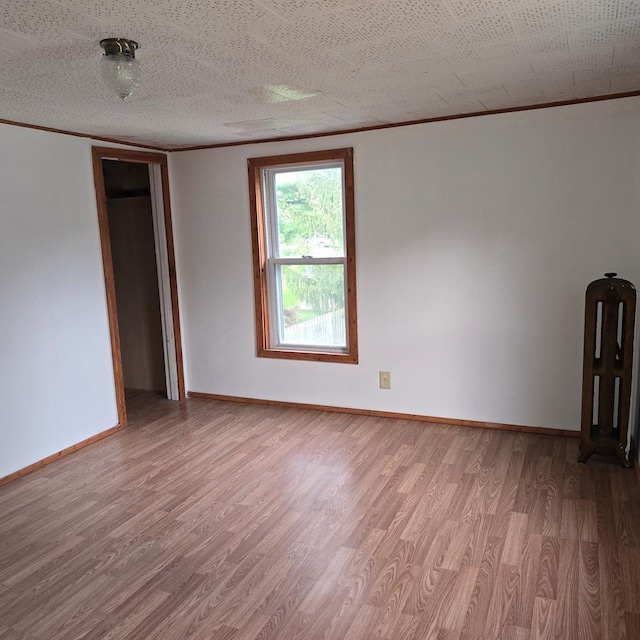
pixel 260 255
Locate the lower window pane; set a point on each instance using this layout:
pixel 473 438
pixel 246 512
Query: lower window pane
pixel 312 305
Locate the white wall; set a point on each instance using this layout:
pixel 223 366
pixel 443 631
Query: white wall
pixel 476 239
pixel 56 384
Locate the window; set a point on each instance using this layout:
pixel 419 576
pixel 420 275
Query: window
pixel 304 256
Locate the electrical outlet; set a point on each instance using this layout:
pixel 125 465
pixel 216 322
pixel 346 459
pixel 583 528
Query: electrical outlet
pixel 385 379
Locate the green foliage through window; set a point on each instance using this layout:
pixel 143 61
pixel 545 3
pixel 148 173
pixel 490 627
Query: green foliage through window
pixel 310 223
pixel 309 213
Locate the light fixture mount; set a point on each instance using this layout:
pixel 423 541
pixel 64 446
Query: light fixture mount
pixel 113 46
pixel 121 71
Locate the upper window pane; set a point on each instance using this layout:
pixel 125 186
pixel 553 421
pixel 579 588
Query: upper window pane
pixel 310 213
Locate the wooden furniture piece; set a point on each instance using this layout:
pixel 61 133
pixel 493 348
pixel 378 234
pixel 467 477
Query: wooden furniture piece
pixel 608 357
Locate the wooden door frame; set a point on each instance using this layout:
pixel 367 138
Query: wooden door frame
pixel 98 154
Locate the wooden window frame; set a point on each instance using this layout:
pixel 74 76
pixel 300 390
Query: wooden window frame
pixel 260 255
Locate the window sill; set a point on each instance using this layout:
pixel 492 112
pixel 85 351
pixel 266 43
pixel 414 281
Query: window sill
pixel 317 356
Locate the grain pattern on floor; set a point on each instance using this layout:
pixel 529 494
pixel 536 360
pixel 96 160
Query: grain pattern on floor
pixel 223 521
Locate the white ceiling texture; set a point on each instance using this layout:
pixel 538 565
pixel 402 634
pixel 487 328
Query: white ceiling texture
pixel 220 71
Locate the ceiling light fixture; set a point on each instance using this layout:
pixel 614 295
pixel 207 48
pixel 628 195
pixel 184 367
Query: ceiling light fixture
pixel 121 71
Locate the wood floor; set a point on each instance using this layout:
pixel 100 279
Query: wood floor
pixel 222 521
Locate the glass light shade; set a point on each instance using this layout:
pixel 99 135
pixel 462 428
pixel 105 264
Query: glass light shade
pixel 121 73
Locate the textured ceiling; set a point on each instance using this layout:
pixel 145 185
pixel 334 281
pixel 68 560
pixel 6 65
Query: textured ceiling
pixel 218 71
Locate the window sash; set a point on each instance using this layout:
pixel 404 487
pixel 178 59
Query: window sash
pixel 270 204
pixel 273 261
pixel 276 305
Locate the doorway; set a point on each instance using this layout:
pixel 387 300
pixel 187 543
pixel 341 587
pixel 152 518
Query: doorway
pixel 134 214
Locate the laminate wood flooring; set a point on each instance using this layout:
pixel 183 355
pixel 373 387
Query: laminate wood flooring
pixel 223 521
